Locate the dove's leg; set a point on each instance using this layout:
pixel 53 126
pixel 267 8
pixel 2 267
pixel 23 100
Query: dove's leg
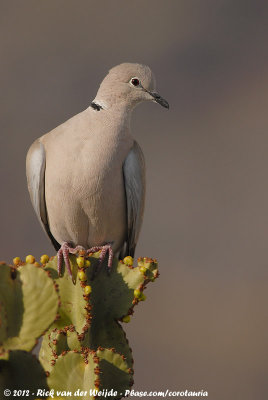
pixel 107 248
pixel 66 249
pixel 63 254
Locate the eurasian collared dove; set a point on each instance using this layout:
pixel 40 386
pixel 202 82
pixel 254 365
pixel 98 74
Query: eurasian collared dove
pixel 86 177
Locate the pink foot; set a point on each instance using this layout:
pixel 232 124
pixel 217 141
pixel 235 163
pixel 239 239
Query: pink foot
pixel 63 254
pixel 107 248
pixel 65 250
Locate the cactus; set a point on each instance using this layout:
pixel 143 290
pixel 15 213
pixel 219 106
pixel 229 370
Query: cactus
pixel 28 306
pixel 85 347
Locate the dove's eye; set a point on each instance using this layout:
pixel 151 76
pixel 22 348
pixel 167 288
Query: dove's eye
pixel 135 81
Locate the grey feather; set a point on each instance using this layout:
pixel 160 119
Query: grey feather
pixel 134 180
pixel 35 170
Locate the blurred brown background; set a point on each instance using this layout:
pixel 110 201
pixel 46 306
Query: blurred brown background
pixel 204 323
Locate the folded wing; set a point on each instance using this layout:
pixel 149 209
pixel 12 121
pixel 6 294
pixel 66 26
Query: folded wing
pixel 35 171
pixel 134 180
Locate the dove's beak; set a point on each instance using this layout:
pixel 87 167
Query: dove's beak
pixel 158 99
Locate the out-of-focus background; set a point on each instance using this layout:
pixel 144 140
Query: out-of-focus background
pixel 204 323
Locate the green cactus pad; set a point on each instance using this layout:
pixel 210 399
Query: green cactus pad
pixel 22 371
pixel 11 303
pixel 115 372
pixel 73 371
pixel 72 310
pixel 112 298
pixel 30 301
pixel 45 354
pixel 72 339
pixel 57 342
pixel 64 340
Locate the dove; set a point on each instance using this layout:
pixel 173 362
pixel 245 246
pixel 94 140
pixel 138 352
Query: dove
pixel 86 177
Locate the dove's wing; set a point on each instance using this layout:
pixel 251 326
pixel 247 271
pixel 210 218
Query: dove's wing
pixel 134 180
pixel 35 170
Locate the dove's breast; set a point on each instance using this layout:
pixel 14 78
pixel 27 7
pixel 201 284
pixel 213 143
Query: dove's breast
pixel 84 189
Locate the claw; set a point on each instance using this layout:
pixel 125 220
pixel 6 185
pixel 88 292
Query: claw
pixel 63 254
pixel 65 250
pixel 103 249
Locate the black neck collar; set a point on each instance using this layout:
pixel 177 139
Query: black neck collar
pixel 96 106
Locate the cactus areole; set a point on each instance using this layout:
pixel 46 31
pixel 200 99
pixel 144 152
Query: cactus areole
pixel 84 347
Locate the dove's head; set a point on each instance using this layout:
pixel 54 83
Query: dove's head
pixel 127 85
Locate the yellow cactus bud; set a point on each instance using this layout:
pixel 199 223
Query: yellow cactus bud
pixel 137 293
pixel 30 259
pixel 126 319
pixel 143 269
pixel 128 260
pixel 44 259
pixel 87 263
pixel 16 260
pixel 87 290
pixel 36 264
pixel 80 262
pixel 82 276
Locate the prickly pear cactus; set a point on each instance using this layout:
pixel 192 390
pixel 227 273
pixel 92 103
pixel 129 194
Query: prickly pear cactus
pixel 28 305
pixel 88 336
pixel 85 348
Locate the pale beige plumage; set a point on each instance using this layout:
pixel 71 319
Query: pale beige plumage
pixel 86 177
